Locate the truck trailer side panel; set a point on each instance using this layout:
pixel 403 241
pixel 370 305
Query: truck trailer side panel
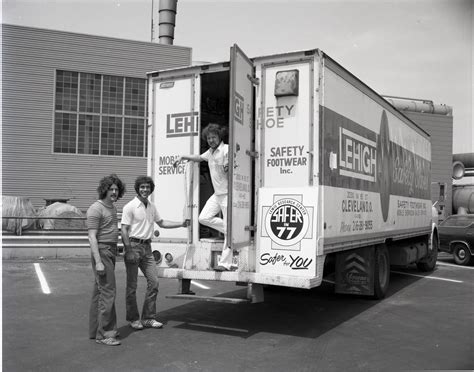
pixel 375 167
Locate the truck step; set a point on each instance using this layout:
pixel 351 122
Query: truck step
pixel 227 300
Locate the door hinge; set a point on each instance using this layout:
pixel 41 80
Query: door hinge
pixel 253 79
pixel 250 228
pixel 253 154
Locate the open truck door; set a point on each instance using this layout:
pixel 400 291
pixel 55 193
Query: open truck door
pixel 174 131
pixel 241 152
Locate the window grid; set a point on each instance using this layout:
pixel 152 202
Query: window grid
pixel 91 85
pixel 65 133
pixel 134 129
pixel 101 110
pixel 66 91
pixel 100 115
pixel 112 95
pixel 89 135
pixel 77 116
pixel 123 113
pixel 111 135
pixel 135 97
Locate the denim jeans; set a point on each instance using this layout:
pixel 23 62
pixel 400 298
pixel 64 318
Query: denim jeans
pixel 146 262
pixel 102 315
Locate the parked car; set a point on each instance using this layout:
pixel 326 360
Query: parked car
pixel 456 236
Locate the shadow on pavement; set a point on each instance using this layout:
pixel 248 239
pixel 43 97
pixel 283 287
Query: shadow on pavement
pixel 289 311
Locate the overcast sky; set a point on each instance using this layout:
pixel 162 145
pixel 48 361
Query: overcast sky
pixel 417 49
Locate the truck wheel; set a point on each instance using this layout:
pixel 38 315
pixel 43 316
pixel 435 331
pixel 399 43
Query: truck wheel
pixel 429 263
pixel 381 271
pixel 461 254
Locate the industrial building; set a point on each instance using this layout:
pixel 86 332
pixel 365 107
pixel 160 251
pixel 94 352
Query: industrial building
pixel 437 120
pixel 74 110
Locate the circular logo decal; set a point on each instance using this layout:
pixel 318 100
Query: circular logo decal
pixel 286 222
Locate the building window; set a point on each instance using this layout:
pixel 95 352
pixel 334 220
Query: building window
pixel 88 136
pixel 100 115
pixel 66 90
pixel 135 130
pixel 90 93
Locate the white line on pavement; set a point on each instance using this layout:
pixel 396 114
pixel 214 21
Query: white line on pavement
pixel 428 277
pixel 218 327
pixel 197 284
pixel 44 284
pixel 454 265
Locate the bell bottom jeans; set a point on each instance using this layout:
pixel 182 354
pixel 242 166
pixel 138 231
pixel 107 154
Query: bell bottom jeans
pixel 102 315
pixel 145 261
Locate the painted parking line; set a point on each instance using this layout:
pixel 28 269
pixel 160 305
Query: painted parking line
pixel 219 327
pixel 42 279
pixel 197 284
pixel 428 277
pixel 454 265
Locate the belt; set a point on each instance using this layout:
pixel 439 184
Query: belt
pixel 132 239
pixel 108 243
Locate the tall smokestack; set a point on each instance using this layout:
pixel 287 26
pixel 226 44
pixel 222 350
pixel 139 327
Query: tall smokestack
pixel 167 21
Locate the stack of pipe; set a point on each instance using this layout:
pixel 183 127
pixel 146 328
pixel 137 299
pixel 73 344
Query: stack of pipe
pixel 167 21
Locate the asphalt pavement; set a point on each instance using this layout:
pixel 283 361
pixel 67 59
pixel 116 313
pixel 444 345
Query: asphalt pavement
pixel 425 323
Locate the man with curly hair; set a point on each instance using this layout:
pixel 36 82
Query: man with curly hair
pixel 138 218
pixel 103 237
pixel 218 161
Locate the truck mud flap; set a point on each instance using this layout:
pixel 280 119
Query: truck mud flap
pixel 354 271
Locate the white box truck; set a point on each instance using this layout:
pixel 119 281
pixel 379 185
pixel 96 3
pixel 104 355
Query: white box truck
pixel 324 174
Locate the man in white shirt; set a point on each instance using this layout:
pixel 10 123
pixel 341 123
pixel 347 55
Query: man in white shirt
pixel 218 161
pixel 138 218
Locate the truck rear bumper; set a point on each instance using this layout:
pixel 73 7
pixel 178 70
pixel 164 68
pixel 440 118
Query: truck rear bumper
pixel 241 276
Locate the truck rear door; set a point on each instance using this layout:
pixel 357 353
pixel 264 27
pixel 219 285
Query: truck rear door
pixel 240 148
pixel 286 238
pixel 174 131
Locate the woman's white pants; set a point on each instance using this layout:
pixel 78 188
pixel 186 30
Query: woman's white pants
pixel 208 217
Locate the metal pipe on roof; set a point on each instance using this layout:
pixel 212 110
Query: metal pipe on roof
pixel 167 21
pixel 419 105
pixel 463 199
pixel 463 165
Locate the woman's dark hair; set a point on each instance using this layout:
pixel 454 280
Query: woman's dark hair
pixel 215 129
pixel 144 179
pixel 106 182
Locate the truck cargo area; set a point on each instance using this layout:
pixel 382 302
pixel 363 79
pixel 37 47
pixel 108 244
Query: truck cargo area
pixel 324 174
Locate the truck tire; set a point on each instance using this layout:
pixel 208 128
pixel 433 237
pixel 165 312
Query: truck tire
pixel 381 271
pixel 461 254
pixel 429 263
